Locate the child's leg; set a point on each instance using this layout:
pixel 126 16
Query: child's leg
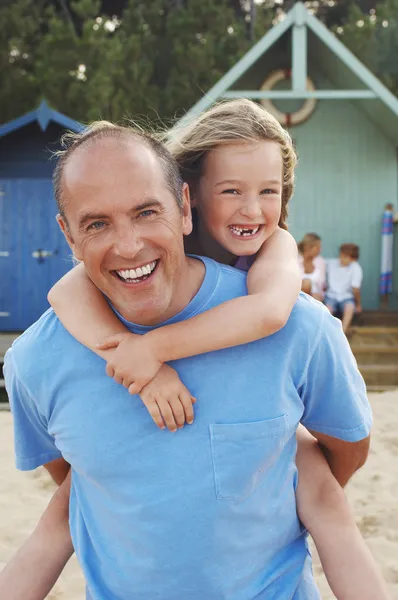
pixel 348 314
pixel 35 568
pixel 323 509
pixel 330 304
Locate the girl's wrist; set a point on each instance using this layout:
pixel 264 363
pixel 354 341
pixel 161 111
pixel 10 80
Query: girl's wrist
pixel 154 340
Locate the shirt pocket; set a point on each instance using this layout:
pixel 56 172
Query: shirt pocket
pixel 242 453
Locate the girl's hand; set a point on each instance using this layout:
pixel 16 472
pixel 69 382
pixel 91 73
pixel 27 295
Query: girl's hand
pixel 168 401
pixel 133 362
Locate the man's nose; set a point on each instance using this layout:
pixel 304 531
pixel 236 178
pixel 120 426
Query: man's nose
pixel 128 243
pixel 251 208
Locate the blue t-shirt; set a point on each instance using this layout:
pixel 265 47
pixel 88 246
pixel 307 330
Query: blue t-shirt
pixel 208 512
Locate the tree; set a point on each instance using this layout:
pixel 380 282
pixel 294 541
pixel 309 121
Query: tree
pixel 373 38
pixel 107 59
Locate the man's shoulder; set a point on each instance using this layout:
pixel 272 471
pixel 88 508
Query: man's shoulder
pixel 308 316
pixel 227 282
pixel 39 345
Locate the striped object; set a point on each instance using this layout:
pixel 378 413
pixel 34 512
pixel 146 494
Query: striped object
pixel 385 285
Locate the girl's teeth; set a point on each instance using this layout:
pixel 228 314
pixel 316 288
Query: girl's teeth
pixel 244 232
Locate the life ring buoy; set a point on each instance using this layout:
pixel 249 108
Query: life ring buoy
pixel 287 119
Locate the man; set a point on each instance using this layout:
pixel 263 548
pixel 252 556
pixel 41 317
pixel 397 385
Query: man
pixel 209 512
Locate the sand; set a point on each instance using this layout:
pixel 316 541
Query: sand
pixel 373 494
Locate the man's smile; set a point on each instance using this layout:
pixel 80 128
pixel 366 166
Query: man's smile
pixel 137 274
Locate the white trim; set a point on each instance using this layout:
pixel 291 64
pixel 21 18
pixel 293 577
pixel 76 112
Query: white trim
pixel 296 16
pixel 353 63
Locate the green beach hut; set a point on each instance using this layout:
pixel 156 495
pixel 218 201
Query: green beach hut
pixel 344 122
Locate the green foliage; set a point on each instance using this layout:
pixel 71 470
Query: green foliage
pixel 373 38
pixel 154 58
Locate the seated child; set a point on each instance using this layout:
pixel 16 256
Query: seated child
pixel 312 266
pixel 344 278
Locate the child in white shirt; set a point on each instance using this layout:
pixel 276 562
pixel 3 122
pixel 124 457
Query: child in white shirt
pixel 344 279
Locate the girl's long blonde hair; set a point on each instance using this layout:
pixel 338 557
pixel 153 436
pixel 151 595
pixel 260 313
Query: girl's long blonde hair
pixel 229 122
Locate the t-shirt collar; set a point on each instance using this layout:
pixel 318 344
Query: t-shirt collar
pixel 203 295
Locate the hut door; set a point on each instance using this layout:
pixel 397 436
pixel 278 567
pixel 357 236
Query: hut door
pixel 33 252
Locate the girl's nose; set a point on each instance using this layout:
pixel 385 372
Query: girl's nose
pixel 251 208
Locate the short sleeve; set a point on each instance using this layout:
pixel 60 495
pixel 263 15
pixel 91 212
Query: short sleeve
pixel 33 445
pixel 333 391
pixel 357 275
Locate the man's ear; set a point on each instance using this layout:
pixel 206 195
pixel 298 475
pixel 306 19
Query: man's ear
pixel 65 230
pixel 186 210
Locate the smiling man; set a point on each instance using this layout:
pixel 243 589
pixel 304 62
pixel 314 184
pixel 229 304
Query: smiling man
pixel 141 224
pixel 210 512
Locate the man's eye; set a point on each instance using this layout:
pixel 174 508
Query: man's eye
pixel 230 191
pixel 96 225
pixel 147 213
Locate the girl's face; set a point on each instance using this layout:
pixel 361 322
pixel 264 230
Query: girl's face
pixel 239 195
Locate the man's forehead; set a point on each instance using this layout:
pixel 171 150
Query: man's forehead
pixel 102 158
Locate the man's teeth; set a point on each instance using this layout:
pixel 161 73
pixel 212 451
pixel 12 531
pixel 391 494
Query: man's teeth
pixel 244 231
pixel 135 274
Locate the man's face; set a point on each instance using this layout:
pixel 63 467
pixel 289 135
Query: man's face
pixel 124 224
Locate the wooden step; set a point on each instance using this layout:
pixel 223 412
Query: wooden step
pixel 360 336
pixel 376 353
pixel 378 317
pixel 379 375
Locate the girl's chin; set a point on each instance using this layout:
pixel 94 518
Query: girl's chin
pixel 245 248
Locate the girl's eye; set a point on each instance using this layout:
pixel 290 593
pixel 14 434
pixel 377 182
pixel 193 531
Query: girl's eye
pixel 96 225
pixel 269 191
pixel 147 213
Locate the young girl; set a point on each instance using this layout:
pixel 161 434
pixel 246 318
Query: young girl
pixel 312 266
pixel 239 200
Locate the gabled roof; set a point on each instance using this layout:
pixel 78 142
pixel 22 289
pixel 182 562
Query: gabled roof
pixel 43 115
pixel 342 68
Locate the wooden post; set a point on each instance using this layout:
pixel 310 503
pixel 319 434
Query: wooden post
pixel 299 49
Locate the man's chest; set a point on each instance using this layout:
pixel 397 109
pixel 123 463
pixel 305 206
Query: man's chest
pixel 100 428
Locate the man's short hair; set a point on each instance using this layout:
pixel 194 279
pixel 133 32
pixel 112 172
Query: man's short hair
pixel 104 129
pixel 351 250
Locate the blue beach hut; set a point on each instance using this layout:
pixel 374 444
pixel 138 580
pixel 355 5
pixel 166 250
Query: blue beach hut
pixel 33 252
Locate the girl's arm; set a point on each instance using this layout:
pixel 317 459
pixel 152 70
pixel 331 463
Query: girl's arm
pixel 273 282
pixel 87 316
pixel 33 571
pixel 323 509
